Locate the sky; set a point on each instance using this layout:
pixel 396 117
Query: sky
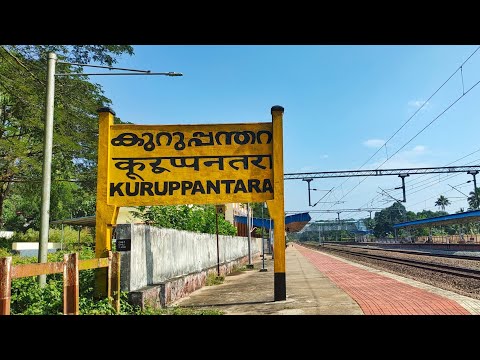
pixel 342 104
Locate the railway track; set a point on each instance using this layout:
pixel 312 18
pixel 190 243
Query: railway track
pixel 412 252
pixel 423 265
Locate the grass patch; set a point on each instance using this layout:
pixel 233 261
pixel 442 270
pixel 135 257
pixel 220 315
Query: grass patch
pixel 237 270
pixel 240 268
pixel 213 279
pixel 180 311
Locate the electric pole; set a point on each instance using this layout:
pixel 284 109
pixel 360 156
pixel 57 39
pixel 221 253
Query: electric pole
pixel 47 166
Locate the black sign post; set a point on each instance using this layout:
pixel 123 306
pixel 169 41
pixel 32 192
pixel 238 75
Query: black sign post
pixel 218 251
pixel 123 244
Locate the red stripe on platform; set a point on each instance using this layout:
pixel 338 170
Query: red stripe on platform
pixel 380 295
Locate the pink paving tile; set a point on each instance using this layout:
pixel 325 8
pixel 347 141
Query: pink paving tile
pixel 380 295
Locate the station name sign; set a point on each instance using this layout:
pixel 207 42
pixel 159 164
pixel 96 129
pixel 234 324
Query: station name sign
pixel 190 164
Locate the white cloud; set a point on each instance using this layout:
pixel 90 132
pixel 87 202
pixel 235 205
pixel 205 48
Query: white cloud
pixel 374 143
pixel 324 156
pixel 419 149
pixel 413 158
pixel 418 103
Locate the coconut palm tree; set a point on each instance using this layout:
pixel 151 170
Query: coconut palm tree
pixel 473 199
pixel 442 201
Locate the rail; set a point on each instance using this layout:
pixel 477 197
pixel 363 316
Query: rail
pixel 446 269
pixel 70 267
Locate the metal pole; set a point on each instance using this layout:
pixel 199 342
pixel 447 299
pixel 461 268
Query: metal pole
pixel 403 176
pixel 319 238
pixel 47 166
pixel 263 242
pixel 270 237
pixel 218 252
pixel 338 228
pixel 475 185
pixel 249 237
pixel 309 198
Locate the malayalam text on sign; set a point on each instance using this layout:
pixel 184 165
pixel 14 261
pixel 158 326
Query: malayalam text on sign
pixel 190 164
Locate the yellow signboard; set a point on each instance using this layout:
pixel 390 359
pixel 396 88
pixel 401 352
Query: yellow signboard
pixel 190 164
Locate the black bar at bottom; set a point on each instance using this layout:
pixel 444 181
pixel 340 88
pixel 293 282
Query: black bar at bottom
pixel 280 286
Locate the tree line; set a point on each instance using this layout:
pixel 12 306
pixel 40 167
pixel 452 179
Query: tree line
pixel 382 222
pixel 75 134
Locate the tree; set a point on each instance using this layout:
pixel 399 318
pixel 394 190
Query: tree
pixel 22 98
pixel 257 210
pixel 473 199
pixel 369 223
pixel 385 219
pixel 442 201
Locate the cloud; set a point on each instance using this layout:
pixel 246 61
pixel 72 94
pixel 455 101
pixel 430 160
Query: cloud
pixel 374 143
pixel 418 103
pixel 412 158
pixel 324 156
pixel 419 149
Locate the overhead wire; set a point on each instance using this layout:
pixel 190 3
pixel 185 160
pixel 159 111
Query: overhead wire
pixel 418 133
pixel 411 117
pixel 410 186
pixel 414 182
pixel 434 182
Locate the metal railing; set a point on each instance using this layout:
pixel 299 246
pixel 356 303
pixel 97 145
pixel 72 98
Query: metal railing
pixel 70 267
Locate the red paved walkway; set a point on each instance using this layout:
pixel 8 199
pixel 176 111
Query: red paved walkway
pixel 381 295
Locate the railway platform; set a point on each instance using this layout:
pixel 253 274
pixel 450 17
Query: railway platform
pixel 323 284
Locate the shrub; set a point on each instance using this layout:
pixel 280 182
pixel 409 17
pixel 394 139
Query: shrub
pixel 214 279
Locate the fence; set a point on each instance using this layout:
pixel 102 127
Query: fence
pixel 70 268
pixel 449 239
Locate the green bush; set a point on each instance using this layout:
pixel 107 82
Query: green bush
pixel 70 236
pixel 27 298
pixel 4 252
pixel 29 236
pixel 197 218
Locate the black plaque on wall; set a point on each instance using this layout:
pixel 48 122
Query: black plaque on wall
pixel 123 244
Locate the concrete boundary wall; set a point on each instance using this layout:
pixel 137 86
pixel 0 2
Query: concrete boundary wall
pixel 164 265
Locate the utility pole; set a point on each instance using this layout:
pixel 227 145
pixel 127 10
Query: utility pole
pixel 249 265
pixel 263 269
pixel 48 142
pixel 338 227
pixel 474 173
pixel 309 198
pixel 403 176
pixel 47 166
pixel 319 235
pixel 218 250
